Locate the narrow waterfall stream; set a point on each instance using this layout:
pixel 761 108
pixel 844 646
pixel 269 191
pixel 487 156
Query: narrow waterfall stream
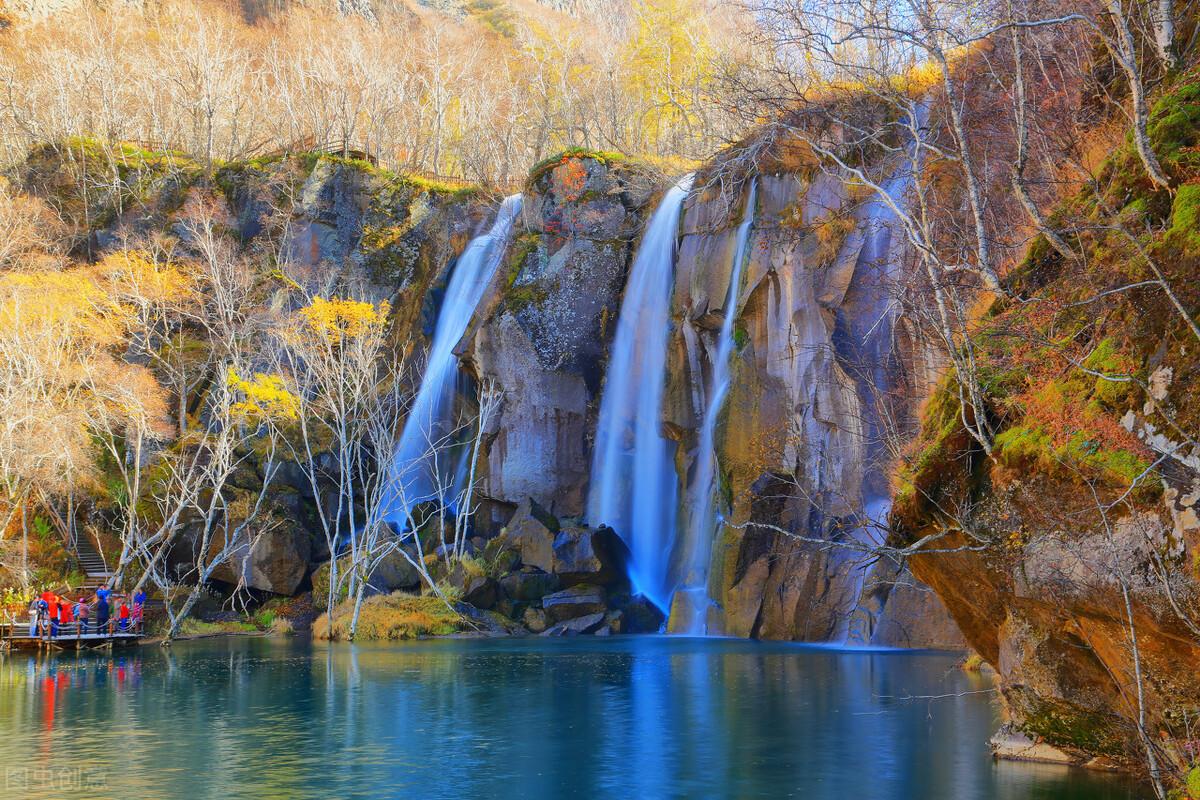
pixel 634 486
pixel 424 466
pixel 692 597
pixel 865 342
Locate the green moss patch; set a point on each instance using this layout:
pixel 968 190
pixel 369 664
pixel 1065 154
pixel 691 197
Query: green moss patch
pixel 1063 725
pixel 1185 218
pixel 543 167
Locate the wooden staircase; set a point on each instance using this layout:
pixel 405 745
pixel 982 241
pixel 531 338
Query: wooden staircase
pixel 96 570
pixel 92 562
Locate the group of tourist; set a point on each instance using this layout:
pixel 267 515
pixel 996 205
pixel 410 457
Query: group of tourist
pixel 52 615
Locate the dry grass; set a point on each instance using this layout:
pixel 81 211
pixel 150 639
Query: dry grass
pixel 391 617
pixel 198 628
pixel 973 662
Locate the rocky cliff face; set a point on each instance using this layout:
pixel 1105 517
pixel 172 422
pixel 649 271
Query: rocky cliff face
pixel 794 444
pixel 543 332
pixel 327 224
pixel 797 450
pixel 1077 571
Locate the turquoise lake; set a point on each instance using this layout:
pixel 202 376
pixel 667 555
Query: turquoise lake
pixel 619 717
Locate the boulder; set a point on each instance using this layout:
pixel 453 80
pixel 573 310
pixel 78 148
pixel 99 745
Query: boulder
pixel 531 533
pixel 481 592
pixel 577 601
pixel 528 585
pixel 501 555
pixel 276 561
pixel 534 619
pixel 513 609
pixel 1013 745
pixel 392 573
pixel 468 579
pixel 489 624
pixel 573 627
pixel 589 555
pixel 639 615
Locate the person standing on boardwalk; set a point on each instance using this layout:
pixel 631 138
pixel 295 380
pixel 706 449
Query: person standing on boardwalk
pixel 139 609
pixel 101 609
pixel 65 617
pixel 44 614
pixel 35 618
pixel 81 614
pixel 52 609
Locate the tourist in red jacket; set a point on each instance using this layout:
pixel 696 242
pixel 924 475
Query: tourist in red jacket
pixel 52 612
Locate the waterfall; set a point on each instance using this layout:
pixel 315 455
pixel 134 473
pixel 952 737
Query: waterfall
pixel 634 486
pixel 865 342
pixel 420 467
pixel 703 524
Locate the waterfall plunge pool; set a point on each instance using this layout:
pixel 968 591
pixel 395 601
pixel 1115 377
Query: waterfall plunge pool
pixel 629 717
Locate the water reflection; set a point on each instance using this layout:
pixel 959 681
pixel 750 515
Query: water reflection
pixel 640 717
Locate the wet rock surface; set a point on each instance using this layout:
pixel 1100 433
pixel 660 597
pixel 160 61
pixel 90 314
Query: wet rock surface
pixel 544 331
pixel 584 590
pixel 795 443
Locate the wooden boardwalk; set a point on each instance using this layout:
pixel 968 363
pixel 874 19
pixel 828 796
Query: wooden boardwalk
pixel 16 636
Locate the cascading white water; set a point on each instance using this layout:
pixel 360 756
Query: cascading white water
pixel 865 342
pixel 419 465
pixel 702 497
pixel 634 486
pixel 866 345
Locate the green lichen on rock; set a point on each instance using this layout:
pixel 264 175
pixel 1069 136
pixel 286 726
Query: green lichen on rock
pixel 519 295
pixel 1064 725
pixel 1173 132
pixel 522 247
pixel 939 463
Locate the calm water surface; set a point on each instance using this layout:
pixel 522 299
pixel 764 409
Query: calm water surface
pixel 625 717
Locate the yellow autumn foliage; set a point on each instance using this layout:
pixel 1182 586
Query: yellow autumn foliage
pixel 263 397
pixel 336 319
pixel 68 304
pixel 135 275
pixel 63 377
pixel 670 62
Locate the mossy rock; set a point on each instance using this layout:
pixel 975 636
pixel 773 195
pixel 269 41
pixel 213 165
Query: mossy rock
pixel 544 166
pixel 943 461
pixel 1041 265
pixel 1185 218
pixel 1063 725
